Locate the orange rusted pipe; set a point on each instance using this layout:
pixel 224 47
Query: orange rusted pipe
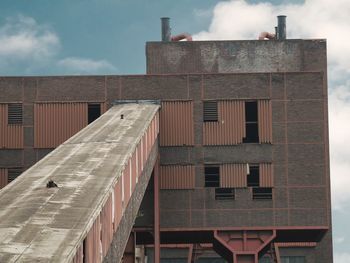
pixel 264 35
pixel 179 37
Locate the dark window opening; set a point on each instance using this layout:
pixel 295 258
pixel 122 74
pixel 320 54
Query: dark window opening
pixel 94 111
pixel 292 259
pixel 212 176
pixel 210 111
pixel 253 176
pixel 251 124
pixel 262 193
pixel 15 113
pixel 13 173
pixel 224 193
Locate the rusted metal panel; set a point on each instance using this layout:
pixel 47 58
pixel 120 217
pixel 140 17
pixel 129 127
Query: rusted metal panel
pixel 296 244
pixel 266 174
pixel 118 204
pixel 11 135
pixel 177 177
pixel 265 121
pixel 79 256
pixel 106 226
pixel 93 249
pixel 54 123
pixel 176 123
pixel 3 177
pixel 230 127
pixel 127 183
pixel 233 175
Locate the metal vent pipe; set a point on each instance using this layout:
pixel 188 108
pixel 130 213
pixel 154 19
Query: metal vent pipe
pixel 166 31
pixel 282 34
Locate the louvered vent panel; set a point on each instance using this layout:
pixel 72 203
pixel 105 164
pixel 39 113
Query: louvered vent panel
pixel 15 113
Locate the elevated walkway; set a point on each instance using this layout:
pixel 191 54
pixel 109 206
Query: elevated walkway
pixel 101 173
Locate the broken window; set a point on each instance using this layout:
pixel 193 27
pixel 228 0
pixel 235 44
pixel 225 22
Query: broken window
pixel 13 173
pixel 224 193
pixel 212 176
pixel 262 193
pixel 15 113
pixel 210 111
pixel 94 111
pixel 253 176
pixel 251 125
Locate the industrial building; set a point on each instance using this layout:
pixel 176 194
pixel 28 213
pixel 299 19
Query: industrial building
pixel 241 131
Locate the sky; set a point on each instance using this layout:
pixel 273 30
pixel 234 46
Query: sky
pixel 77 37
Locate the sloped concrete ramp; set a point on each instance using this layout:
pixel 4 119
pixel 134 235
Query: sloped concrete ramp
pixel 101 174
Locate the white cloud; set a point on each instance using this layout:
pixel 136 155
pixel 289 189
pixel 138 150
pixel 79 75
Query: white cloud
pixel 341 257
pixel 22 39
pixel 74 65
pixel 314 19
pixel 30 47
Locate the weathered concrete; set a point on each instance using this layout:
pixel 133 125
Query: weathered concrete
pixel 39 224
pixel 236 56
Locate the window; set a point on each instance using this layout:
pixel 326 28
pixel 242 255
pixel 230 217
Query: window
pixel 94 111
pixel 265 259
pixel 253 176
pixel 251 125
pixel 293 259
pixel 13 173
pixel 224 193
pixel 15 113
pixel 262 193
pixel 212 176
pixel 210 111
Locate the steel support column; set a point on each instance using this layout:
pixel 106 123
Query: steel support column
pixel 156 213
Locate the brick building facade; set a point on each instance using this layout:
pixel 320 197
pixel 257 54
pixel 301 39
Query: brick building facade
pixel 243 141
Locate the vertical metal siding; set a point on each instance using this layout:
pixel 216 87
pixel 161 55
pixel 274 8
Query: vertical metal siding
pixel 3 177
pixel 106 226
pixel 177 177
pixel 79 256
pixel 54 123
pixel 233 175
pixel 11 135
pixel 92 253
pixel 176 123
pixel 230 127
pixel 265 121
pixel 118 203
pixel 266 174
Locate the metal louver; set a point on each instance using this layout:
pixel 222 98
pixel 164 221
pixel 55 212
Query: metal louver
pixel 210 111
pixel 15 113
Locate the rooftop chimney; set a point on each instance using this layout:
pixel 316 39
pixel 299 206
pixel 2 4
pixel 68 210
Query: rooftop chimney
pixel 166 30
pixel 281 28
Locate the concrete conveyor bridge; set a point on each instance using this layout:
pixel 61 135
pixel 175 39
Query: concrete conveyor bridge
pixel 101 172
